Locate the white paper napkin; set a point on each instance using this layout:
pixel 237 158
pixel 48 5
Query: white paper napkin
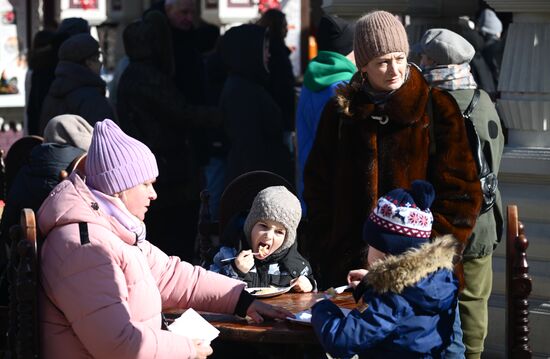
pixel 192 325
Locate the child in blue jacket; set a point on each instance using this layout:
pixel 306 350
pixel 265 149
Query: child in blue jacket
pixel 408 296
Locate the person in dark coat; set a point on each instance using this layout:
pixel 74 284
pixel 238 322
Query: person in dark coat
pixel 78 88
pixel 152 109
pixel 281 77
pixel 252 119
pixel 187 41
pixel 490 28
pixel 374 137
pixel 65 138
pixel 42 63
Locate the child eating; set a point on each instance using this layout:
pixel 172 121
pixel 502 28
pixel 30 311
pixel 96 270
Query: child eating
pixel 408 297
pixel 270 257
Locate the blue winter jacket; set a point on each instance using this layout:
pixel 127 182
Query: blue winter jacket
pixel 406 311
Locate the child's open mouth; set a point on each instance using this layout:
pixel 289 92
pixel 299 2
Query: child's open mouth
pixel 263 249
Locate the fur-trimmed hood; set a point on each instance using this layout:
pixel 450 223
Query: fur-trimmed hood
pixel 395 273
pixel 405 106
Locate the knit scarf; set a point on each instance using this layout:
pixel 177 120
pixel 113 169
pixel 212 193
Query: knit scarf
pixel 450 77
pixel 114 207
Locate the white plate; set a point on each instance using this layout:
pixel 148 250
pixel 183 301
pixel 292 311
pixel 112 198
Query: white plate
pixel 304 317
pixel 266 292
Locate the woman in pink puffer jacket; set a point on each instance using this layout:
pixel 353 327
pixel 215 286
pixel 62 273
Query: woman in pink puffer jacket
pixel 104 285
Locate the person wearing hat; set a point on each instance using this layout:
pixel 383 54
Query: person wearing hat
pixel 445 59
pixel 103 284
pixel 490 27
pixel 333 66
pixel 253 122
pixel 77 89
pixel 42 63
pixel 374 136
pixel 66 137
pixel 406 298
pixel 269 257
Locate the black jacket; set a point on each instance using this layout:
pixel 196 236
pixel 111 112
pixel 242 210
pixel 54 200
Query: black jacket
pixel 253 122
pixel 152 109
pixel 78 91
pixel 31 186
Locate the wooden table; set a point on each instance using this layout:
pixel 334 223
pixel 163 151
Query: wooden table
pixel 236 329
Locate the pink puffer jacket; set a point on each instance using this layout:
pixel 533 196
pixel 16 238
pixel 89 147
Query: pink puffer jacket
pixel 103 299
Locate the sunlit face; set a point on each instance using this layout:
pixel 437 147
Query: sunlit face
pixel 266 237
pixel 387 72
pixel 181 14
pixel 138 198
pixel 374 255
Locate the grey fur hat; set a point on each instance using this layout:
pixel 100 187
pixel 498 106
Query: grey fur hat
pixel 70 130
pixel 445 47
pixel 277 204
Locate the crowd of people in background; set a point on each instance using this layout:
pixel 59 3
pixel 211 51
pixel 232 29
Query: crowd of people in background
pixel 198 109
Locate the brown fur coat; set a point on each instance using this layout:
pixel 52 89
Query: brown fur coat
pixel 356 159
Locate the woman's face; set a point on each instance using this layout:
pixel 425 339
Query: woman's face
pixel 138 198
pixel 386 72
pixel 266 237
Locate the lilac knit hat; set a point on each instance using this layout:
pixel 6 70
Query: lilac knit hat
pixel 117 162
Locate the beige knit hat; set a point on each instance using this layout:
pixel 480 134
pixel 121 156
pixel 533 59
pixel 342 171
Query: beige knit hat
pixel 378 33
pixel 278 204
pixel 70 130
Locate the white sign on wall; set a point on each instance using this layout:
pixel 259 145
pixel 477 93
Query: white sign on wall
pixel 95 11
pixel 292 10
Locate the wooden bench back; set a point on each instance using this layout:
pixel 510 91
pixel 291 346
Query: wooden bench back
pixel 23 288
pixel 518 287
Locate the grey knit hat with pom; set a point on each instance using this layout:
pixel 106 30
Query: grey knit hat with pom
pixel 276 204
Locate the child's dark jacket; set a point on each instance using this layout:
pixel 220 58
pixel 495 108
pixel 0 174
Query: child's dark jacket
pixel 278 269
pixel 406 311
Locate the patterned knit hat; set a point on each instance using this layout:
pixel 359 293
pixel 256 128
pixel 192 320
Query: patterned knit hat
pixel 117 162
pixel 376 34
pixel 276 204
pixel 402 219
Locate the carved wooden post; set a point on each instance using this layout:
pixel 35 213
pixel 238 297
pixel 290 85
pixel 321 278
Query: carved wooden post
pixel 518 288
pixel 15 235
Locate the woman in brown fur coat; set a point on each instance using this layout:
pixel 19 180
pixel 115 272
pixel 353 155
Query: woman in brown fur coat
pixel 375 137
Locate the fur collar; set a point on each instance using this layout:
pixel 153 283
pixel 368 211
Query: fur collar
pixel 406 106
pixel 395 273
